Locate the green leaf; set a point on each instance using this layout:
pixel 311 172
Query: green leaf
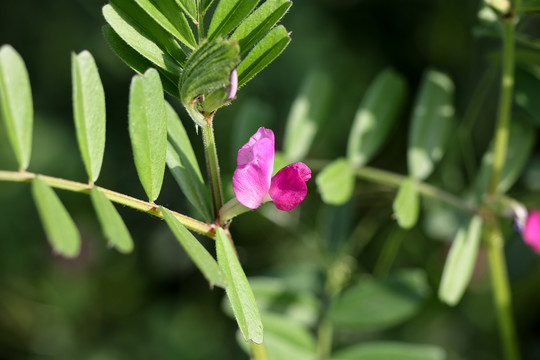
pixel 113 226
pixel 406 205
pixel 520 144
pixel 530 6
pixel 205 4
pixel 16 104
pixel 189 7
pixel 263 54
pixel 88 112
pixel 377 304
pixel 139 63
pixel 183 165
pixel 259 23
pixel 431 122
pixel 134 35
pixel 60 228
pixel 228 15
pixel 198 253
pixel 286 339
pixel 527 84
pixel 376 116
pixel 460 262
pixel 390 350
pixel 238 290
pixel 336 182
pixel 306 115
pixel 168 15
pixel 148 130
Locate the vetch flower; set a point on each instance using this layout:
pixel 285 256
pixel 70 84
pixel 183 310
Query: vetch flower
pixel 531 230
pixel 253 182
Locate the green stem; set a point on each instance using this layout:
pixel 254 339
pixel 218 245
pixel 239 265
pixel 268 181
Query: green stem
pixel 147 207
pixel 212 166
pixel 258 351
pixel 495 244
pixel 200 22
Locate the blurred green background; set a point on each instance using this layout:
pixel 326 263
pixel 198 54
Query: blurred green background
pixel 153 303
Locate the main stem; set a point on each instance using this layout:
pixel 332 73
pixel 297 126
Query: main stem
pixel 212 166
pixel 258 351
pixel 495 244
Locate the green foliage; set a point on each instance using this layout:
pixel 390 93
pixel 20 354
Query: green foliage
pixel 285 339
pixel 431 123
pixel 238 290
pixel 460 262
pixel 407 204
pixel 88 112
pixel 198 254
pixel 228 15
pixel 375 116
pixel 16 104
pixel 148 130
pixel 388 350
pixel 336 182
pixel 59 226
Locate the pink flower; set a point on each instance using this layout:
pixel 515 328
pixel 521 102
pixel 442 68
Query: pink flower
pixel 531 230
pixel 253 181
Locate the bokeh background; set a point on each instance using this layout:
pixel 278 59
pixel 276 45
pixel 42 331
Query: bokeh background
pixel 153 303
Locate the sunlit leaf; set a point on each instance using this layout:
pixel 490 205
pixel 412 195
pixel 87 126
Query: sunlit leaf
pixel 168 15
pixel 228 15
pixel 259 23
pixel 148 130
pixel 460 262
pixel 238 290
pixel 139 63
pixel 263 54
pixel 183 165
pixel 59 227
pixel 431 123
pixel 198 253
pixel 406 205
pixel 376 304
pixel 336 182
pixel 390 350
pixel 16 104
pixel 113 226
pixel 89 112
pixel 306 115
pixel 375 116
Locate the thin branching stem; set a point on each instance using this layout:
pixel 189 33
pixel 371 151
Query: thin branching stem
pixel 212 166
pixel 119 198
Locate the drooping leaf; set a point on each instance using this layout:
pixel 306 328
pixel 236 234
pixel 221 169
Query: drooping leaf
pixel 135 36
pixel 259 23
pixel 113 226
pixel 228 15
pixel 336 182
pixel 406 205
pixel 376 304
pixel 520 144
pixel 431 123
pixel 375 116
pixel 183 165
pixel 139 63
pixel 263 54
pixel 168 15
pixel 59 227
pixel 390 350
pixel 148 130
pixel 306 115
pixel 88 112
pixel 238 290
pixel 196 251
pixel 16 104
pixel 460 262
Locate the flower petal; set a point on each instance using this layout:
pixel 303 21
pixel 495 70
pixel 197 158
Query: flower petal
pixel 255 163
pixel 531 231
pixel 288 187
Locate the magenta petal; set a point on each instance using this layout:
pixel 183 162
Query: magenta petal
pixel 531 231
pixel 288 187
pixel 255 163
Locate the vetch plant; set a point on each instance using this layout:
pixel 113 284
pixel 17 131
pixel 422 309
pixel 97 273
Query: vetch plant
pixel 356 279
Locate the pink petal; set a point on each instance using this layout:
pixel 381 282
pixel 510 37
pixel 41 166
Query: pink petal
pixel 531 231
pixel 288 187
pixel 255 163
